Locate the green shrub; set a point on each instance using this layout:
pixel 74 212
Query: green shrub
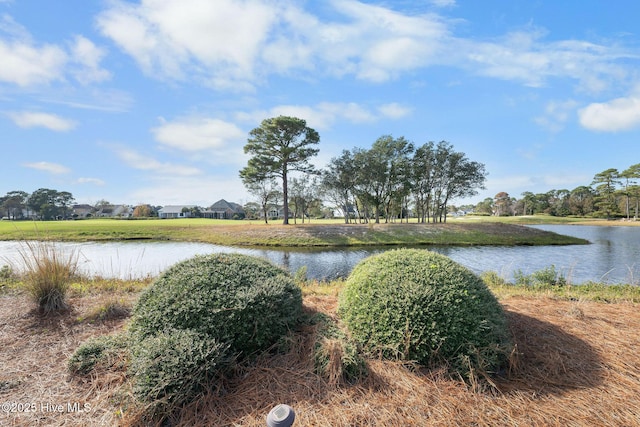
pixel 104 351
pixel 6 273
pixel 239 300
pixel 547 276
pixel 417 305
pixel 172 367
pixel 492 278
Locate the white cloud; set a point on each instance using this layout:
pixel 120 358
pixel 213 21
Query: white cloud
pixel 443 3
pixel 234 44
pixel 394 110
pixel 88 56
pixel 52 168
pixel 524 56
pixel 556 114
pixel 29 119
pixel 94 181
pixel 27 63
pixel 196 134
pixel 324 115
pixel 237 44
pixel 217 41
pixel 616 115
pixel 143 162
pixel 202 191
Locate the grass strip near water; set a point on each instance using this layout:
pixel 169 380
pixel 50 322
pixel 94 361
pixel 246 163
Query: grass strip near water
pixel 253 233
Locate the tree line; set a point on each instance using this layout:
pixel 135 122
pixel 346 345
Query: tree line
pixel 364 184
pixel 49 204
pixel 611 194
pixel 44 203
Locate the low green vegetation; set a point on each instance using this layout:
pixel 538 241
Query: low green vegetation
pixel 99 352
pixel 417 305
pixel 171 367
pixel 550 282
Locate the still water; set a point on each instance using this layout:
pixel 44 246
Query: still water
pixel 613 256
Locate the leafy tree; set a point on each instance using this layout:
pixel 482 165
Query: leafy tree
pixel 528 202
pixel 440 175
pixel 422 167
pixel 338 182
pixel 14 202
pixel 63 200
pixel 502 204
pixel 101 204
pixel 263 188
pixel 581 200
pixel 630 175
pixel 383 174
pixel 558 202
pixel 463 177
pixel 280 145
pixel 142 211
pixel 42 202
pixel 606 183
pixel 485 206
pixel 252 210
pixel 302 195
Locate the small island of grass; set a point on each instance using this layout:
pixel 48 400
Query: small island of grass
pixel 321 233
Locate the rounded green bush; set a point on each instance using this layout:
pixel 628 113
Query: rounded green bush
pixel 239 300
pixel 418 305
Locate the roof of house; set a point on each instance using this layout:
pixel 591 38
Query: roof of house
pixel 222 204
pixel 175 208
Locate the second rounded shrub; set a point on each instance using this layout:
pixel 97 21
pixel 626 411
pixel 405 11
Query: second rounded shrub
pixel 418 305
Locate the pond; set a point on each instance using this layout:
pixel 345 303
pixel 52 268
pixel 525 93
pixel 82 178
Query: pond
pixel 612 256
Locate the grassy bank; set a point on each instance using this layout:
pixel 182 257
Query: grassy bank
pixel 253 233
pixel 577 364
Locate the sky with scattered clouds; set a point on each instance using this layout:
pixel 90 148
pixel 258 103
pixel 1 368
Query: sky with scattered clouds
pixel 151 101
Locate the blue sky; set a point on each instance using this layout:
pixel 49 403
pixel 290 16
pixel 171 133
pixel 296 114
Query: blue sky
pixel 151 101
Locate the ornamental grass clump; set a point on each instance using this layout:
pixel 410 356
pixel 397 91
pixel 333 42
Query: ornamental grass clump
pixel 412 304
pixel 48 272
pixel 200 314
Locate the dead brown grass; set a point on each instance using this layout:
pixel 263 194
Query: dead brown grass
pixel 578 364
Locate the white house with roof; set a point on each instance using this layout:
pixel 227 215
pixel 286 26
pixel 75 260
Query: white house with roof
pixel 176 211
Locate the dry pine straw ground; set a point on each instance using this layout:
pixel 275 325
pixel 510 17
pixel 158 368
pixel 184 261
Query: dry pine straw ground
pixel 579 365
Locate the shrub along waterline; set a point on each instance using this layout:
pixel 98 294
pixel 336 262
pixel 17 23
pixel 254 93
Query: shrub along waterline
pixel 413 304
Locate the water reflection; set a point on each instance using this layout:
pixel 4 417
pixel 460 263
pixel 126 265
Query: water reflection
pixel 611 257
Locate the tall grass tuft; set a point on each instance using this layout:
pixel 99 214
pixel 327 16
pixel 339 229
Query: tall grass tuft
pixel 48 272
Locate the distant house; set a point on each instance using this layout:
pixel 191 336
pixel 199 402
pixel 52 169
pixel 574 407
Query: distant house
pixel 224 210
pixel 176 211
pixel 275 212
pixel 114 211
pixel 82 211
